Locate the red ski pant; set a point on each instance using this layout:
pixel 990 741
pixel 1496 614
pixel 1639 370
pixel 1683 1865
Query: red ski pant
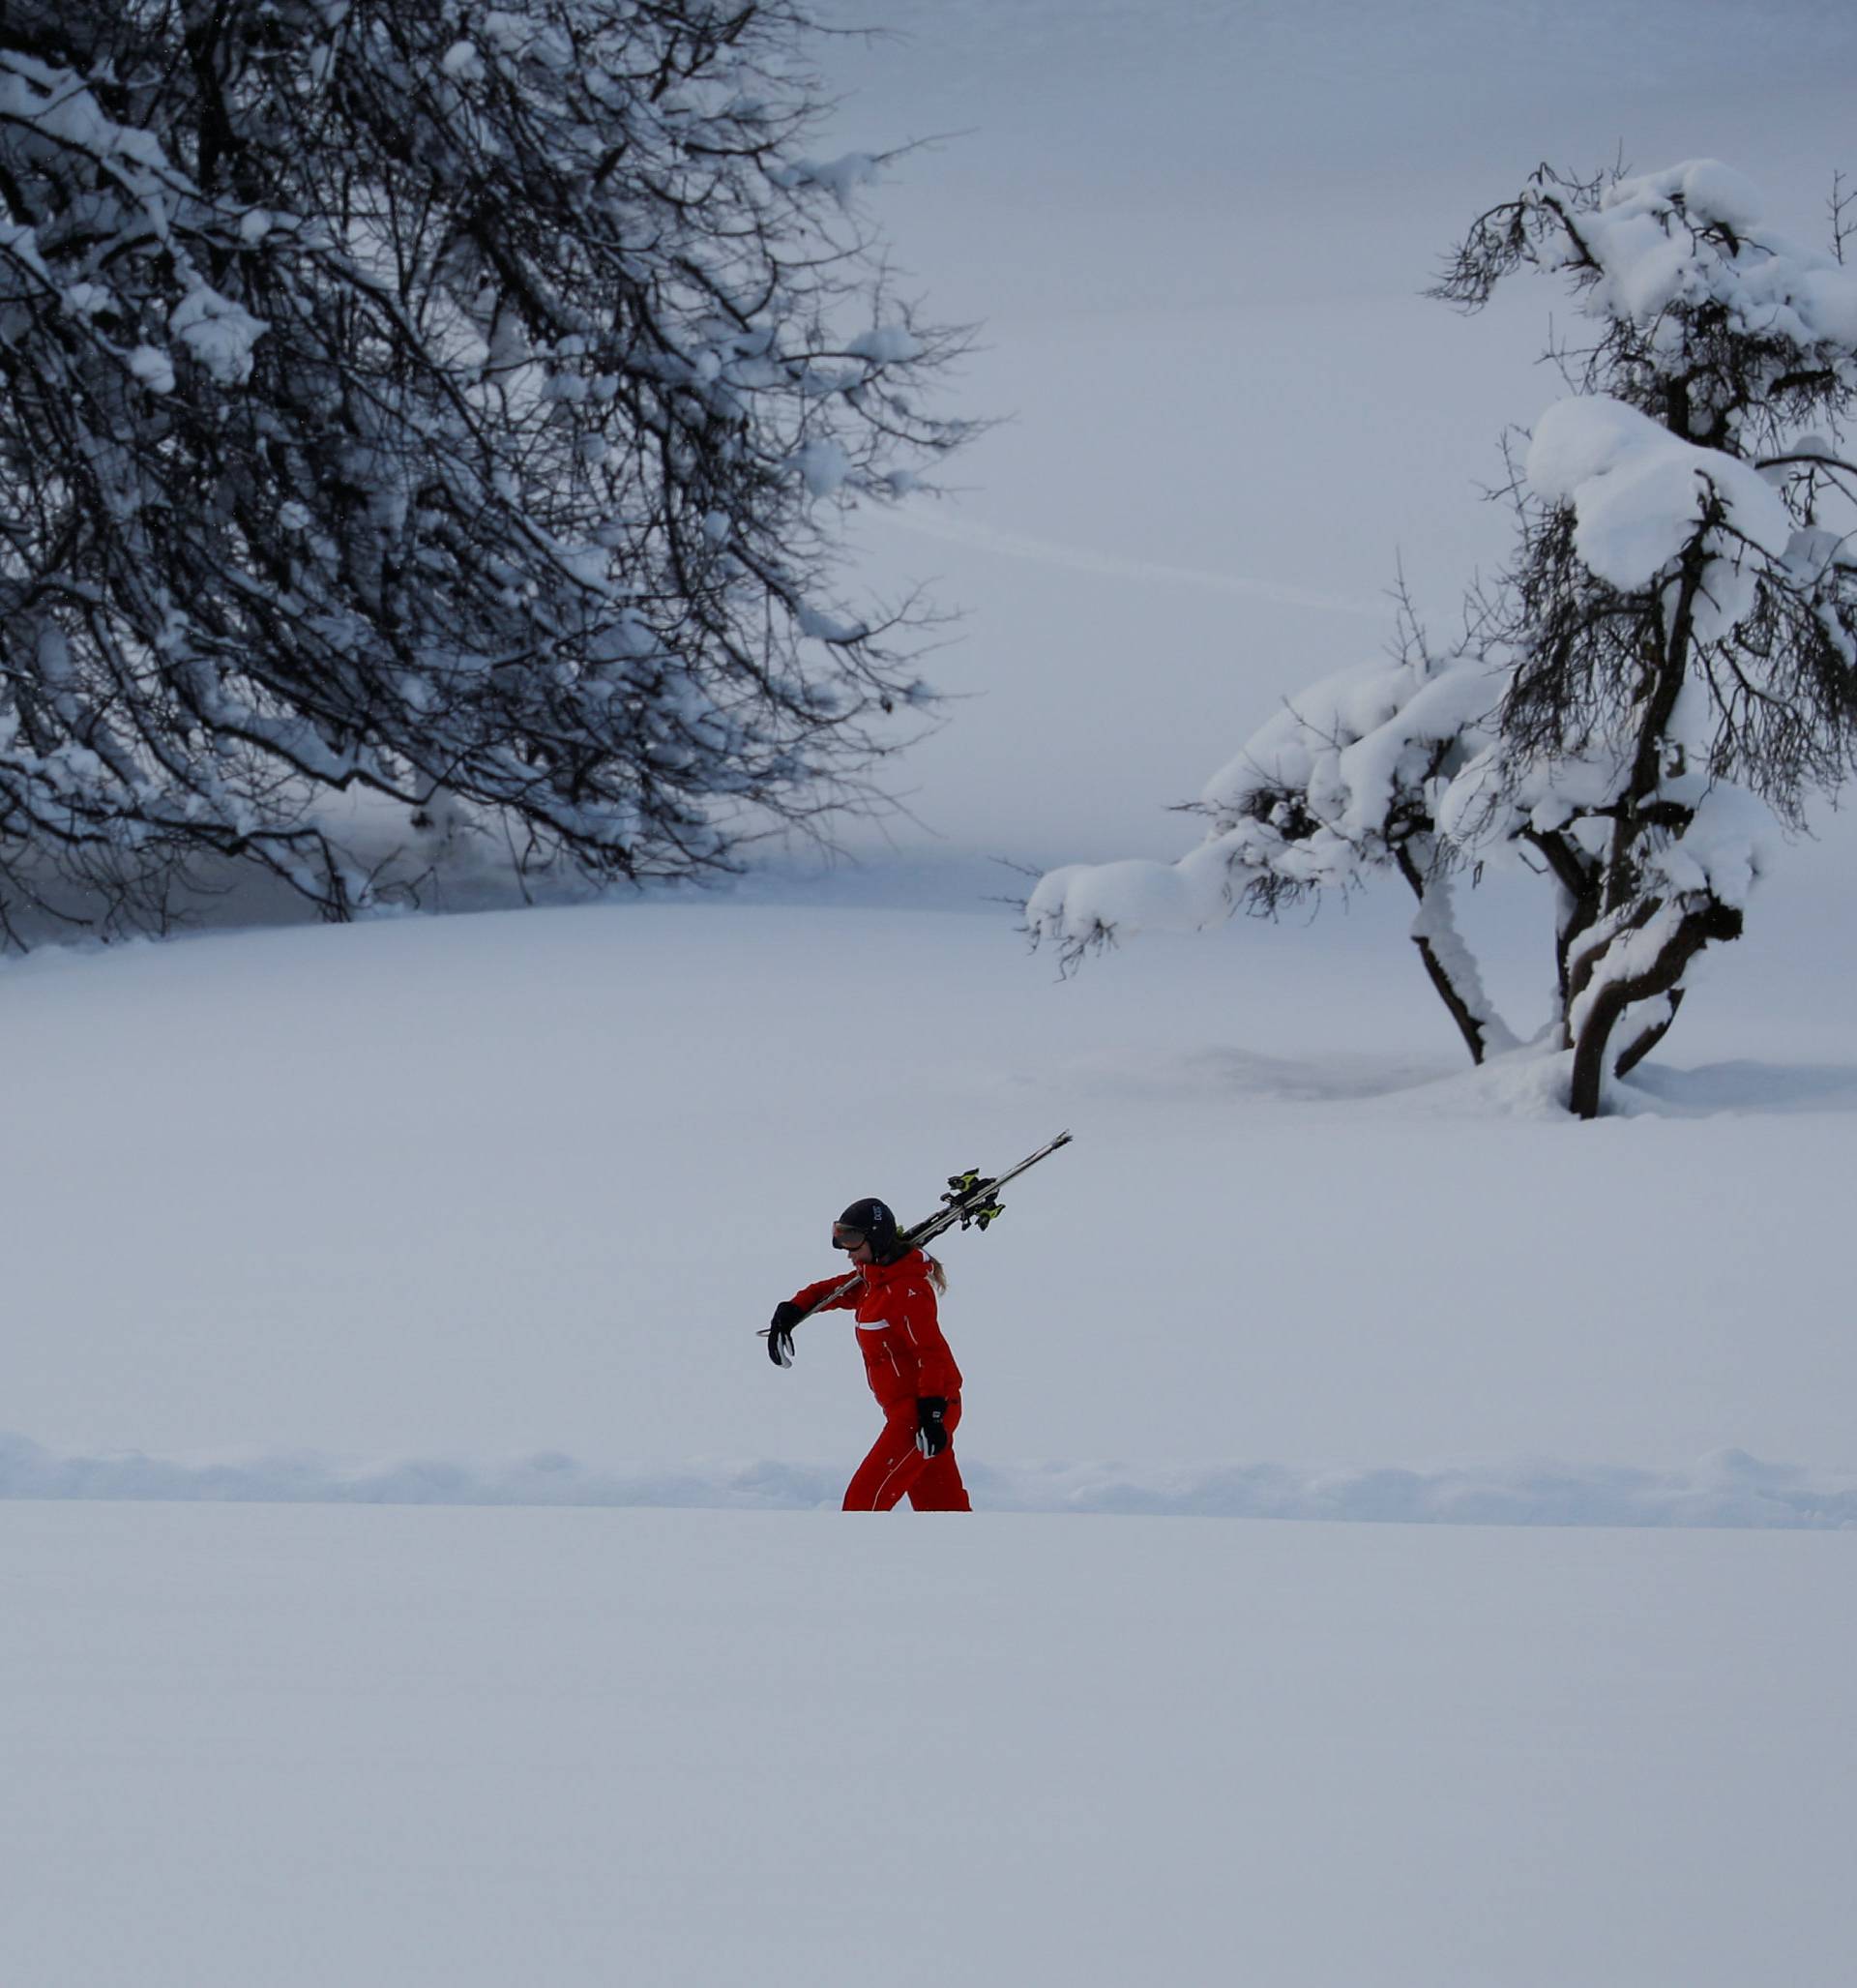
pixel 896 1468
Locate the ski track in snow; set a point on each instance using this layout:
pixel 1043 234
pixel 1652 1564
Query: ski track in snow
pixel 1011 544
pixel 1728 1488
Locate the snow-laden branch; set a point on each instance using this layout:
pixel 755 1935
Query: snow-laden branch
pixel 1342 782
pixel 1642 497
pixel 1326 791
pixel 441 403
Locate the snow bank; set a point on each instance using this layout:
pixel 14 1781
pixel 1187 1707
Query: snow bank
pixel 1729 1488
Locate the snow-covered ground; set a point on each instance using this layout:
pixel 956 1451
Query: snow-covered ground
pixel 487 1210
pixel 296 1747
pixel 514 1192
pixel 305 1228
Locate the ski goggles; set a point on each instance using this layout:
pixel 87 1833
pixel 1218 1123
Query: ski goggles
pixel 845 1239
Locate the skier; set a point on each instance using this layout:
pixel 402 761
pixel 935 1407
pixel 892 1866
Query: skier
pixel 905 1359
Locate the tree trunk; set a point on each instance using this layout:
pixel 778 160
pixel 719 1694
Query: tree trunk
pixel 1647 1038
pixel 1448 963
pixel 1580 887
pixel 1710 919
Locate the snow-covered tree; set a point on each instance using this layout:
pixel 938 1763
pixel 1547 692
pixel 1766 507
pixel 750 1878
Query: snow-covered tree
pixel 448 403
pixel 1666 670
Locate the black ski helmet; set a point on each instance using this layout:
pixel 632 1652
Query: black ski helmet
pixel 871 1220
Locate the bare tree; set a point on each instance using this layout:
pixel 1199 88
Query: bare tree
pixel 451 404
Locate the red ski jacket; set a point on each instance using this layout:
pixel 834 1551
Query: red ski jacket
pixel 905 1354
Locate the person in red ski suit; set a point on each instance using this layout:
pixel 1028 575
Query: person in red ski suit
pixel 905 1359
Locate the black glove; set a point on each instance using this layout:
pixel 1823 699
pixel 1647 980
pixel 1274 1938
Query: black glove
pixel 780 1334
pixel 931 1428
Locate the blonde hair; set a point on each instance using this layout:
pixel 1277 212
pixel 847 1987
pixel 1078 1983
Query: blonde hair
pixel 938 1276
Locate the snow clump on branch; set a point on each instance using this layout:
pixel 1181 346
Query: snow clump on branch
pixel 1642 496
pixel 1332 787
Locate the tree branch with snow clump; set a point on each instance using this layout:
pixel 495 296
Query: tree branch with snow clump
pixel 455 405
pixel 1340 784
pixel 1666 672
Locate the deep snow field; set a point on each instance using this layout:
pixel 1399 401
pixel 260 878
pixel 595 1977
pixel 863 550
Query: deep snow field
pixel 494 1206
pixel 1414 1532
pixel 487 1210
pixel 300 1745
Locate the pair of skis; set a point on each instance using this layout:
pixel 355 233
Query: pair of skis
pixel 972 1202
